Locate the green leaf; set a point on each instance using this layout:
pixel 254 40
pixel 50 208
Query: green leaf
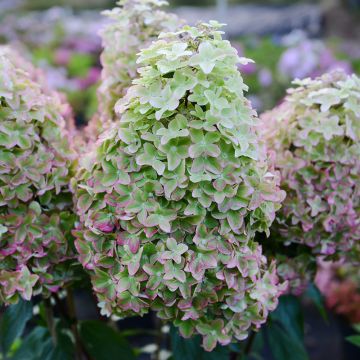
pixel 12 323
pixel 79 64
pixel 101 341
pixel 65 348
pixel 34 346
pixel 190 349
pixel 3 229
pixel 40 345
pixel 289 314
pixel 354 339
pixel 314 294
pixel 286 330
pixel 283 346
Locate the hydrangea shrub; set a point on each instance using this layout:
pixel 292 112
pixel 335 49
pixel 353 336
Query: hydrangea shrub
pixel 134 24
pixel 36 164
pixel 315 137
pixel 171 198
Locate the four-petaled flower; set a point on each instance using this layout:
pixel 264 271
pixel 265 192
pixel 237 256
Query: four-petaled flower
pixel 161 218
pixel 174 251
pixel 204 145
pixel 175 150
pixel 156 274
pixel 113 175
pixel 213 332
pixel 150 156
pixel 176 128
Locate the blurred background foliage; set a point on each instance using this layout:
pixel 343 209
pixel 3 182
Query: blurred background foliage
pixel 61 37
pixel 98 4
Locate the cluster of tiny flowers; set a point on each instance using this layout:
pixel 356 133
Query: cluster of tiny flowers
pixel 172 196
pixel 35 169
pixel 315 138
pixel 134 24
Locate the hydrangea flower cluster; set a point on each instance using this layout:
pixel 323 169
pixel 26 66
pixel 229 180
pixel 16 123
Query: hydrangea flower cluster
pixel 35 169
pixel 171 199
pixel 315 135
pixel 134 25
pixel 340 285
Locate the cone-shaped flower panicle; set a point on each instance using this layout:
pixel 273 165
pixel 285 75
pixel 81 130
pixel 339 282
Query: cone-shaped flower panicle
pixel 315 139
pixel 133 25
pixel 36 164
pixel 174 193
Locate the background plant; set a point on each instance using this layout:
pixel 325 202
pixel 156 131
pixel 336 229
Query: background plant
pixel 134 24
pixel 35 202
pixel 315 136
pixel 339 283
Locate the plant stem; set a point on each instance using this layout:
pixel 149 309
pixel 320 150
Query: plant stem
pixel 73 323
pixel 159 337
pixel 49 316
pixel 250 343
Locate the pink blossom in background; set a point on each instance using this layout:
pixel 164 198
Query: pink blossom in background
pixel 265 77
pixel 85 45
pixel 92 78
pixel 62 56
pixel 298 62
pixel 248 69
pixel 338 282
pixel 310 58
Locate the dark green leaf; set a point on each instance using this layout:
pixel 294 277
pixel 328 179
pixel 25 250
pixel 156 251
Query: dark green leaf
pixel 250 348
pixel 314 294
pixel 284 346
pixel 285 330
pixel 13 322
pixel 257 346
pixel 289 314
pixel 39 345
pixel 64 349
pixel 354 339
pixel 102 342
pixel 190 349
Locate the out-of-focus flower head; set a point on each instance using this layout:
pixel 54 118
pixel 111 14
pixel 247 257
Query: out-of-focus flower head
pixel 265 77
pixel 340 285
pixel 134 24
pixel 53 27
pixel 173 195
pixel 308 58
pixel 314 137
pixel 36 164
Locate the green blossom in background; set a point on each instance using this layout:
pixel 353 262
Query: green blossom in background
pixel 36 165
pixel 315 139
pixel 134 24
pixel 172 228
